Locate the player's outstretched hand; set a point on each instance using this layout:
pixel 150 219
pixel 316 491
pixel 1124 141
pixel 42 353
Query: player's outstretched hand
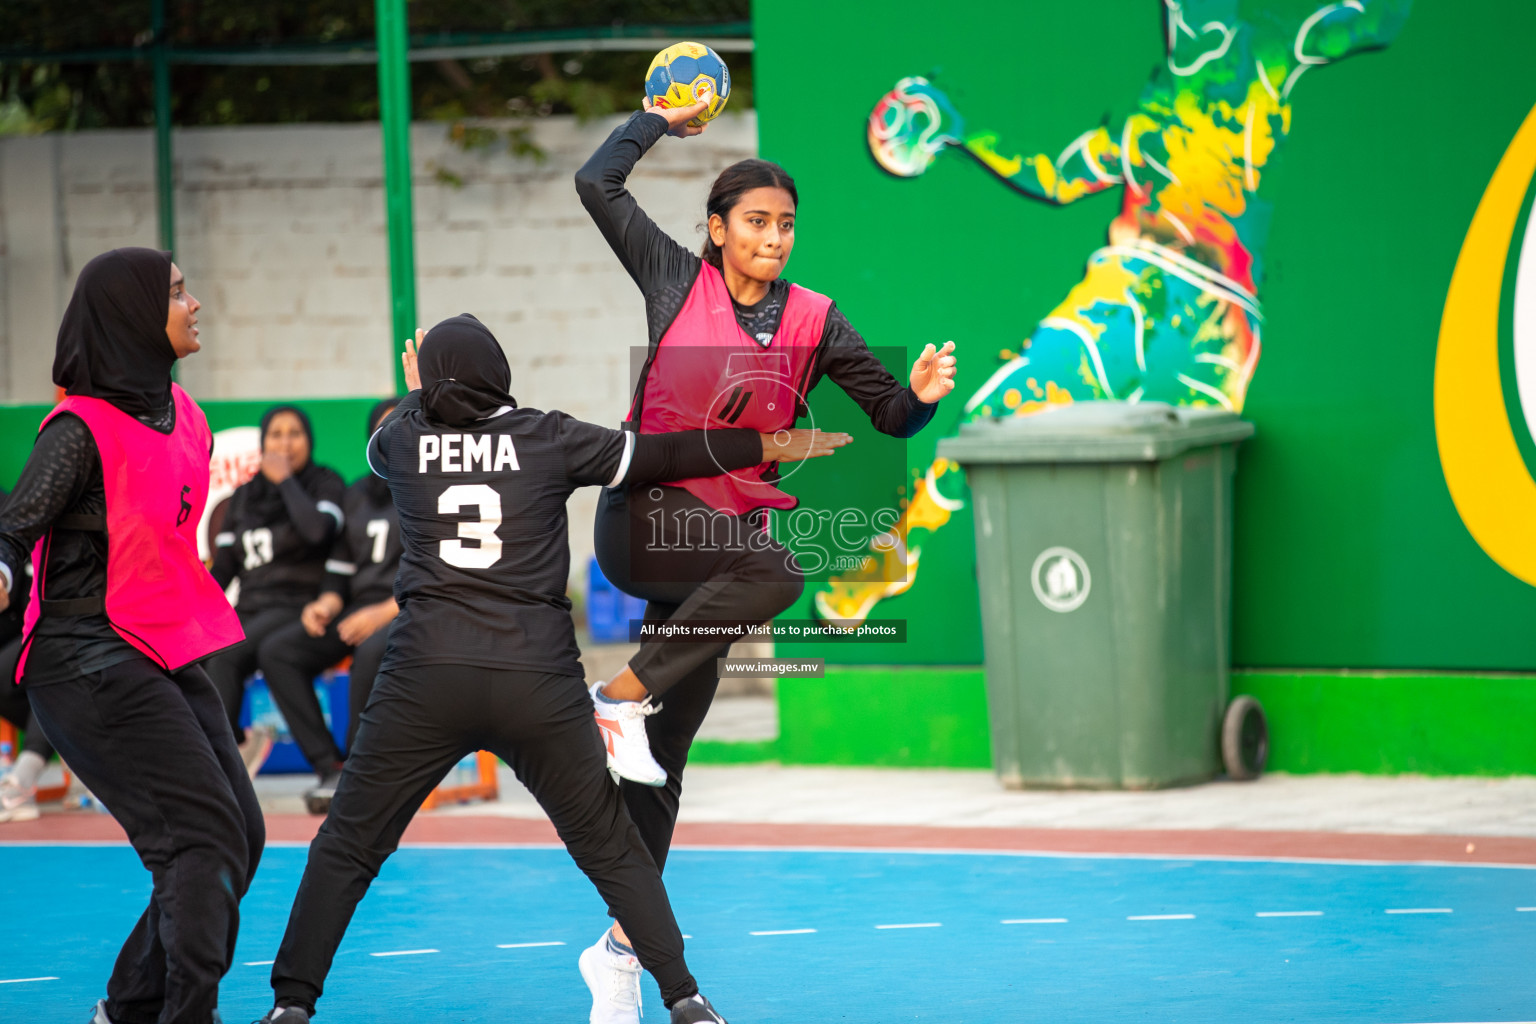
pixel 678 117
pixel 800 444
pixel 933 375
pixel 408 360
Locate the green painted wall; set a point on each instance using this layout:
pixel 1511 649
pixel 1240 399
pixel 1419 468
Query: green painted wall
pixel 1391 722
pixel 1349 550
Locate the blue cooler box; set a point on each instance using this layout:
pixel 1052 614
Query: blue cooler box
pixel 609 609
pixel 258 709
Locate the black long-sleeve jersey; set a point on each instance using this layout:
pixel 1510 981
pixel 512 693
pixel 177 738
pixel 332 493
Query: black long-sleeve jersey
pixel 482 517
pixel 278 550
pixel 366 554
pixel 665 272
pixel 63 477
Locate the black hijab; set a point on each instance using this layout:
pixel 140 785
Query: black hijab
pixel 464 372
pixel 262 498
pixel 112 343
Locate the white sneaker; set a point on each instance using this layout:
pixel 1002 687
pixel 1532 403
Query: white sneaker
pixel 623 729
pixel 614 979
pixel 16 803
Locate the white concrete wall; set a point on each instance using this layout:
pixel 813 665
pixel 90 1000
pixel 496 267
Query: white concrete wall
pixel 281 235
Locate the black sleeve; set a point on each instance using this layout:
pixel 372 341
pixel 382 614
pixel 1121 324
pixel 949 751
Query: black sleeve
pixel 594 455
pixel 690 453
pixel 650 255
pixel 378 444
pixel 598 456
pixel 226 553
pixel 892 407
pixel 340 567
pixel 62 465
pixel 317 517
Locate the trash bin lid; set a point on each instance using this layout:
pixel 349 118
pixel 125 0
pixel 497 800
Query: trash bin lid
pixel 1103 431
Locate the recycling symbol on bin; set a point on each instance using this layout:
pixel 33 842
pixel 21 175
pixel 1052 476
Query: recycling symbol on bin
pixel 1060 578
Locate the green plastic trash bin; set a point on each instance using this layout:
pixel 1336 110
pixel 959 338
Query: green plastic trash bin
pixel 1104 554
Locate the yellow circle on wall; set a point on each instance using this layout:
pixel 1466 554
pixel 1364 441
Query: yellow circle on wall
pixel 1488 480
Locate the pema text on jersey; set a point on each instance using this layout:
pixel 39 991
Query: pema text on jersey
pixel 466 453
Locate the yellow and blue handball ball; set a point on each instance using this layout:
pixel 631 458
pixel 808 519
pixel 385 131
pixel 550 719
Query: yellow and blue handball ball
pixel 687 73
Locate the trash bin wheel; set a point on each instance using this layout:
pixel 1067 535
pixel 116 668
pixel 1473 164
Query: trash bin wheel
pixel 1244 739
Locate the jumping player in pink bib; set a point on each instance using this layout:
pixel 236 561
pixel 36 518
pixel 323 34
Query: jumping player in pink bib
pixel 122 611
pixel 732 344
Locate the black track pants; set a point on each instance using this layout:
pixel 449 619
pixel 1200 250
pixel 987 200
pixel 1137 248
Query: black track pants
pixel 291 659
pixel 158 752
pixel 16 708
pixel 418 723
pixel 230 669
pixel 690 563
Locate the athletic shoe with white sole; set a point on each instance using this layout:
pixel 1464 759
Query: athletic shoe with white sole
pixel 695 1010
pixel 285 1015
pixel 318 800
pixel 614 978
pixel 17 803
pixel 622 724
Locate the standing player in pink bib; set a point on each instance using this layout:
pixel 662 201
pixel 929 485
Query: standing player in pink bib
pixel 121 612
pixel 732 344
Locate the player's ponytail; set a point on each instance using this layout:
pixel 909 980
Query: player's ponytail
pixel 734 182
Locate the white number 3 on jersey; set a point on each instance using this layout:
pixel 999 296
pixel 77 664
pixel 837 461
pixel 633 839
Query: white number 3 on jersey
pixel 454 500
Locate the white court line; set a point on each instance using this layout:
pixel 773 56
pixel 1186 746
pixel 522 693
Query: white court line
pixel 1161 917
pixel 406 952
pixel 522 945
pixel 258 963
pixel 1034 920
pixel 1289 913
pixel 926 924
pixel 23 981
pixel 1422 910
pixel 1525 910
pixel 787 931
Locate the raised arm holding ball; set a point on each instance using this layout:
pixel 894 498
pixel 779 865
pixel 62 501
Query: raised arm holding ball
pixel 731 344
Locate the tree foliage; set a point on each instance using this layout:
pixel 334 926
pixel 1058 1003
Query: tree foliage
pixel 43 96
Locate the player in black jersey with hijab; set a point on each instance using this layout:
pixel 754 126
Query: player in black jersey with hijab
pixel 483 653
pixel 350 616
pixel 275 538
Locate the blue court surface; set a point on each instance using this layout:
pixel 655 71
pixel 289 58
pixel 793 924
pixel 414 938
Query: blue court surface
pixel 451 934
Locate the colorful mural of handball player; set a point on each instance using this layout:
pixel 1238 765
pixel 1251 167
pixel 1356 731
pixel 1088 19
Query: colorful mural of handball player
pixel 1169 310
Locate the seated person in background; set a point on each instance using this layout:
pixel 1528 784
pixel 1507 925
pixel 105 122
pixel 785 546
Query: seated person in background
pixel 276 537
pixel 351 616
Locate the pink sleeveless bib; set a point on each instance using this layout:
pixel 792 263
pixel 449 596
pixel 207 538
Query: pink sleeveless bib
pixel 160 598
pixel 707 373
